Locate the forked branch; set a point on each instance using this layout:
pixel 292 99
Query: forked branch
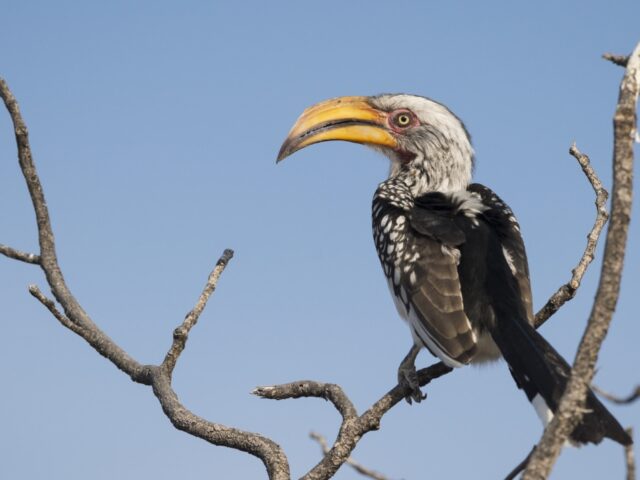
pixel 76 319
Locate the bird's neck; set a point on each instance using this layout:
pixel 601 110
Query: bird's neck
pixel 408 182
pixel 445 166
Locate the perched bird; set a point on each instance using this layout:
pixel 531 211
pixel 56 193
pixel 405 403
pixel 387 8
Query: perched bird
pixel 451 250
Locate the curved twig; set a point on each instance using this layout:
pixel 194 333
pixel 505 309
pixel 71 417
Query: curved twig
pixel 567 291
pixel 620 60
pixel 632 397
pixel 309 388
pixel 570 409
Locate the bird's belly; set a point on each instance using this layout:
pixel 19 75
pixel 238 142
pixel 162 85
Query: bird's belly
pixel 487 350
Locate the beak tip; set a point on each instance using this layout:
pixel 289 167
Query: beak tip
pixel 284 152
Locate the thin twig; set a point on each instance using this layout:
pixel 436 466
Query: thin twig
pixel 567 291
pixel 19 255
pixel 620 60
pixel 521 466
pixel 619 400
pixel 51 306
pixel 181 333
pixel 361 469
pixel 571 406
pixel 309 388
pixel 630 458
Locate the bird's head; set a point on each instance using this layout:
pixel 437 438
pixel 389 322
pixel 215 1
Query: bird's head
pixel 423 139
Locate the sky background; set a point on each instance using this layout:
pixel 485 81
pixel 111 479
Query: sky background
pixel 155 126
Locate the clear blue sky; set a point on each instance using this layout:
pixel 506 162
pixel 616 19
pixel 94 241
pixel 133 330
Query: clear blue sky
pixel 155 127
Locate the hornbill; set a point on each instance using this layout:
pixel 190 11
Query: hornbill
pixel 451 250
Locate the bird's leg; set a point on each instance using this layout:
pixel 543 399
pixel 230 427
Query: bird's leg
pixel 408 377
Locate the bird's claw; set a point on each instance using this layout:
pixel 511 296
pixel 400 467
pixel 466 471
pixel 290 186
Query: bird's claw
pixel 408 378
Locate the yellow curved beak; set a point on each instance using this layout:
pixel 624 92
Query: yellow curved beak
pixel 350 119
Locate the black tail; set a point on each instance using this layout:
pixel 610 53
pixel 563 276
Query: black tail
pixel 543 374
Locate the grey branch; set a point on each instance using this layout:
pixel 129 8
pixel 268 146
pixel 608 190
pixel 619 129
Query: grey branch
pixel 309 388
pixel 18 255
pixel 361 469
pixel 353 427
pixel 77 320
pixel 571 406
pixel 619 400
pixel 567 291
pixel 629 458
pixel 620 60
pixel 181 333
pixel 51 306
pixel 48 259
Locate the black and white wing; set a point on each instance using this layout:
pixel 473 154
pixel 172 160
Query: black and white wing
pixel 428 283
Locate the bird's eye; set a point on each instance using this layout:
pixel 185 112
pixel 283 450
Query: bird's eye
pixel 403 119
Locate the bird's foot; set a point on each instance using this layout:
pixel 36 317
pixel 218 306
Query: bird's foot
pixel 408 377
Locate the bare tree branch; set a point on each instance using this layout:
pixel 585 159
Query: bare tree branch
pixel 361 469
pixel 51 306
pixel 264 448
pixel 181 333
pixel 77 320
pixel 571 407
pixel 18 255
pixel 629 458
pixel 353 427
pixel 48 259
pixel 567 291
pixel 620 60
pixel 309 388
pixel 619 400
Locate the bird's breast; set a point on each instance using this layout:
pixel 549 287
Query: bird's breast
pixel 390 228
pixel 396 251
